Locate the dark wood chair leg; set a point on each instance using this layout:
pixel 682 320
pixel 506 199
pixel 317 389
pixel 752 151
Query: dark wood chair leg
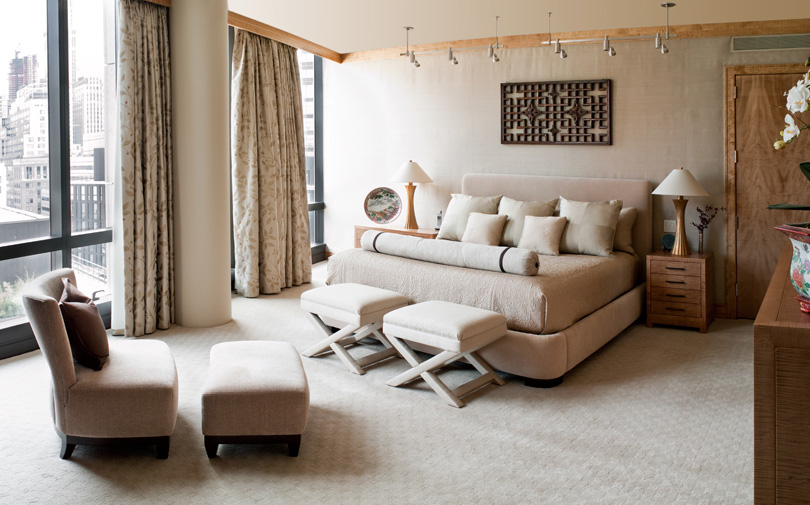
pixel 67 449
pixel 211 447
pixel 163 447
pixel 294 445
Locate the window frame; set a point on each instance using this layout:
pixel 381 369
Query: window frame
pixel 19 338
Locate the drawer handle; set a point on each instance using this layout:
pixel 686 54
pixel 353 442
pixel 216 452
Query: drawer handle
pixel 674 268
pixel 675 282
pixel 676 310
pixel 676 296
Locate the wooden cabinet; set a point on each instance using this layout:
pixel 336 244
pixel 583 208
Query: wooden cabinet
pixel 359 230
pixel 781 394
pixel 679 290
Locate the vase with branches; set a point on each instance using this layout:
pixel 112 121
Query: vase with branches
pixel 706 216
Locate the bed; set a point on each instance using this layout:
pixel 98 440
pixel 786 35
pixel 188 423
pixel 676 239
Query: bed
pixel 553 324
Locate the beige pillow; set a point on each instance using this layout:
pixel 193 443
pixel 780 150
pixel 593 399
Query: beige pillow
pixel 516 211
pixel 623 240
pixel 542 234
pixel 484 229
pixel 591 226
pixel 455 219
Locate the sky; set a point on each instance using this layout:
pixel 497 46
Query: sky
pixel 23 26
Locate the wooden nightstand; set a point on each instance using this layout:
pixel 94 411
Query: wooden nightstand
pixel 679 290
pixel 359 230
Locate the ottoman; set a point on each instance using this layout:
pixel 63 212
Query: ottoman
pixel 361 308
pixel 458 330
pixel 255 392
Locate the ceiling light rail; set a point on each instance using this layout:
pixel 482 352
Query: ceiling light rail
pixel 450 52
pixel 606 41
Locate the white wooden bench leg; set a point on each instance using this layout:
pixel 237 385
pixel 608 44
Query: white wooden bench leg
pixel 425 370
pixel 349 335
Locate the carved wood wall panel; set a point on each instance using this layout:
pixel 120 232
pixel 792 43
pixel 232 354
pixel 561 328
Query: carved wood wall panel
pixel 556 112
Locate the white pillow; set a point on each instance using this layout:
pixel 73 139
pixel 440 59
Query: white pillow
pixel 455 219
pixel 516 211
pixel 541 234
pixel 623 239
pixel 484 229
pixel 591 226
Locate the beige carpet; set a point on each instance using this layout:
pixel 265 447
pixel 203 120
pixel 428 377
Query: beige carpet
pixel 657 416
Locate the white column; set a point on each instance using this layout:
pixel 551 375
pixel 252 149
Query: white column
pixel 198 31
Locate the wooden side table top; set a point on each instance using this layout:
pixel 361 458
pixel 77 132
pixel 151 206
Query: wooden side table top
pixel 359 230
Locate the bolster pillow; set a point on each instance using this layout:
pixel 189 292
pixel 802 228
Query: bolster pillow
pixel 447 252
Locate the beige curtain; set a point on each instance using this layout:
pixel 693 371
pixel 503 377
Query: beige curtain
pixel 270 215
pixel 145 115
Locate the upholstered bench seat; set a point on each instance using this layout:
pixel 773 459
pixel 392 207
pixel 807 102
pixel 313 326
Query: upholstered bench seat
pixel 255 392
pixel 458 330
pixel 361 309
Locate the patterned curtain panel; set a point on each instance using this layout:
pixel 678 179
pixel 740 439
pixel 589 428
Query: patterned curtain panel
pixel 145 114
pixel 270 214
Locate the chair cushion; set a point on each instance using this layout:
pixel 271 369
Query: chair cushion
pixel 255 388
pixel 445 325
pixel 85 329
pixel 352 303
pixel 134 395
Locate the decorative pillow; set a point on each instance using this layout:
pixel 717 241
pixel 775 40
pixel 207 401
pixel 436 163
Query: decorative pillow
pixel 455 219
pixel 484 229
pixel 542 234
pixel 85 329
pixel 516 210
pixel 591 226
pixel 623 239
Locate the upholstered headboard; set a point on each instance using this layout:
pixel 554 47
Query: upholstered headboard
pixel 633 193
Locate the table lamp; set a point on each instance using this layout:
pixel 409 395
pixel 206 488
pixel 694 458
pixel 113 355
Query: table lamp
pixel 680 183
pixel 411 172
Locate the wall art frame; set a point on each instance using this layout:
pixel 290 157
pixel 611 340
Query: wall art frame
pixel 556 113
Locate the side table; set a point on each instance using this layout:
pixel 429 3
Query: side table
pixel 679 289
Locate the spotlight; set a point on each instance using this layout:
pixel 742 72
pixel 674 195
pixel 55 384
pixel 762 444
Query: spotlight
pixel 612 51
pixel 557 47
pixel 664 49
pixel 452 59
pixel 606 44
pixel 563 54
pixel 490 51
pixel 657 40
pixel 495 58
pixel 412 57
pixel 416 64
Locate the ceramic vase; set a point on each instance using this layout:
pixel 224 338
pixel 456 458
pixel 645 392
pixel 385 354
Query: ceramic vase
pixel 799 235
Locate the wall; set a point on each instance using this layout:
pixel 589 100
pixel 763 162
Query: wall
pixel 668 111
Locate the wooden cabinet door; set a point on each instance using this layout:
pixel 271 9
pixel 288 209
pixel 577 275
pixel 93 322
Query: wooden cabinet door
pixel 764 177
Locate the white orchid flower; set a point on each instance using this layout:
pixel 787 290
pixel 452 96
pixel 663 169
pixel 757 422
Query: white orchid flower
pixel 791 130
pixel 798 98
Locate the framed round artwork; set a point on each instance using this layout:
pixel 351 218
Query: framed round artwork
pixel 382 205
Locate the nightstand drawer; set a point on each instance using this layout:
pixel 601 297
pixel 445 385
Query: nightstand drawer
pixel 675 281
pixel 675 268
pixel 676 295
pixel 675 308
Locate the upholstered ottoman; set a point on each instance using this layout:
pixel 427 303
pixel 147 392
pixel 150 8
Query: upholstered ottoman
pixel 255 392
pixel 361 308
pixel 458 330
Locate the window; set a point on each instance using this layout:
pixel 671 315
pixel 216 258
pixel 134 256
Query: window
pixel 310 68
pixel 55 58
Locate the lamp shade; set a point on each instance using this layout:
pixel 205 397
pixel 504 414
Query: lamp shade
pixel 410 171
pixel 680 182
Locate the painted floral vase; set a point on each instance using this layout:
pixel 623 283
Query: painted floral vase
pixel 799 235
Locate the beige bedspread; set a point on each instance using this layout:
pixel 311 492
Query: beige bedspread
pixel 565 289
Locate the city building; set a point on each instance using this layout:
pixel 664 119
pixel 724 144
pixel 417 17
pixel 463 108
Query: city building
pixel 22 71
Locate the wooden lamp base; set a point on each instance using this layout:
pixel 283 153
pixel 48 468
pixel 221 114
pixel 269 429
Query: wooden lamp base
pixel 410 222
pixel 681 247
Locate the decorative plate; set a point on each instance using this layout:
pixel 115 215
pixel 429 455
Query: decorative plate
pixel 382 205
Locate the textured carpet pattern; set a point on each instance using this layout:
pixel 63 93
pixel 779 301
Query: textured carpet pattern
pixel 656 416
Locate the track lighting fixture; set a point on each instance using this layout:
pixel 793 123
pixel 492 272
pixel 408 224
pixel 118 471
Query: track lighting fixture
pixel 606 41
pixel 451 53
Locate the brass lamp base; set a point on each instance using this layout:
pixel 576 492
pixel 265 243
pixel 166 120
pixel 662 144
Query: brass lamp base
pixel 681 247
pixel 410 222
